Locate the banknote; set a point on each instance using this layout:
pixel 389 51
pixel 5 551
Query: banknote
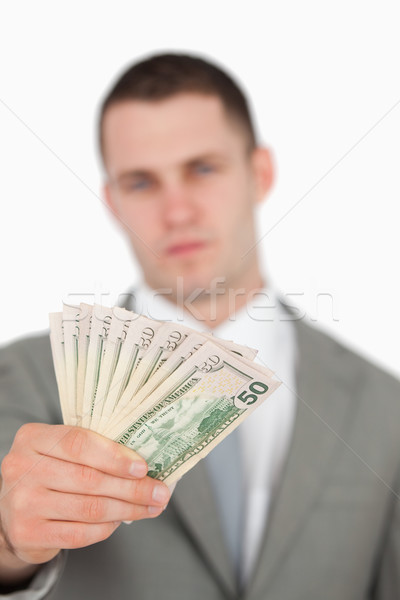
pixel 121 320
pixel 181 353
pixel 191 344
pixel 57 350
pixel 168 338
pixel 70 322
pixel 85 321
pixel 163 389
pixel 137 342
pixel 100 325
pixel 192 411
pixel 245 351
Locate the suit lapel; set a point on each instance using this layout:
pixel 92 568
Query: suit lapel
pixel 322 414
pixel 196 508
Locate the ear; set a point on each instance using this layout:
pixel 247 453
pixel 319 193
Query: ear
pixel 110 202
pixel 263 172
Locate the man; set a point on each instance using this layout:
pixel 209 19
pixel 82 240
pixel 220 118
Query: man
pixel 320 462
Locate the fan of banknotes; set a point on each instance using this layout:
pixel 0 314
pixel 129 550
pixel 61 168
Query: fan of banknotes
pixel 163 389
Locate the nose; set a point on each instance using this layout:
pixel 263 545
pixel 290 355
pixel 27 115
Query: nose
pixel 178 207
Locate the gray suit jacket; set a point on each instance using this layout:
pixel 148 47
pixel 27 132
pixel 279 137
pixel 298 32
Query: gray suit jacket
pixel 334 526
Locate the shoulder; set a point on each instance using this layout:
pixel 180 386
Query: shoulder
pixel 336 356
pixel 368 395
pixel 28 388
pixel 27 363
pixel 34 349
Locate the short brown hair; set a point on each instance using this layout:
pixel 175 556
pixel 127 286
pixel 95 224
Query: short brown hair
pixel 164 75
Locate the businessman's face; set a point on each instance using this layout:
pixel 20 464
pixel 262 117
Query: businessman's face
pixel 184 187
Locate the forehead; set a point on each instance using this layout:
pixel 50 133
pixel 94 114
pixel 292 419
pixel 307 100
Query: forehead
pixel 155 134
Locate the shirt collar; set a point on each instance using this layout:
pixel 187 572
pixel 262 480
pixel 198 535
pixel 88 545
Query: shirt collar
pixel 259 324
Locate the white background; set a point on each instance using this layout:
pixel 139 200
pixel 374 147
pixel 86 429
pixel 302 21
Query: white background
pixel 323 78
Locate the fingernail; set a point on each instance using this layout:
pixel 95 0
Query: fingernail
pixel 127 522
pixel 160 494
pixel 138 468
pixel 154 509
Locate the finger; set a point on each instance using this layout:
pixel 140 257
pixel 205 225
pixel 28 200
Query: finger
pixel 92 509
pixel 81 446
pixel 62 476
pixel 68 535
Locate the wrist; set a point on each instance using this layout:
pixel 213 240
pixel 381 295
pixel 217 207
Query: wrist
pixel 13 570
pixel 14 573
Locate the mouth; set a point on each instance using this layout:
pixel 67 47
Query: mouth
pixel 185 248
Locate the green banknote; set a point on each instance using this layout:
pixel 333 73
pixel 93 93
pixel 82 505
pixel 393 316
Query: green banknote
pixel 205 399
pixel 163 389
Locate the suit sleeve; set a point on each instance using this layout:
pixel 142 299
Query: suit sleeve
pixel 387 583
pixel 28 389
pixel 28 394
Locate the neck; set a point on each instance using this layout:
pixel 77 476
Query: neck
pixel 214 306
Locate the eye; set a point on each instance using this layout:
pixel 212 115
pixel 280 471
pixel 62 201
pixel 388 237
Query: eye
pixel 203 168
pixel 139 184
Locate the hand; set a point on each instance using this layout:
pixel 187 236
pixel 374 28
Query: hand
pixel 68 487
